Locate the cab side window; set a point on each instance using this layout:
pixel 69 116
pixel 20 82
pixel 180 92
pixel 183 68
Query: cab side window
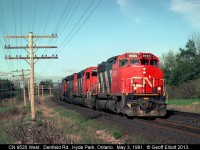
pixel 123 62
pixel 87 75
pixel 154 62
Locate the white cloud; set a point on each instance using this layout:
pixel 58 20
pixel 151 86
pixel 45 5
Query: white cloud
pixel 127 8
pixel 189 9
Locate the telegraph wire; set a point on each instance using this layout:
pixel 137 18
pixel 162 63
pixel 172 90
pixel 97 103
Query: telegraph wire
pixel 70 6
pixel 48 17
pixel 34 14
pixel 69 18
pixel 21 30
pixel 15 27
pixel 5 32
pixel 62 18
pixel 4 23
pixel 64 14
pixel 79 26
pixel 66 22
pixel 77 23
pixel 48 64
pixel 46 24
pixel 66 25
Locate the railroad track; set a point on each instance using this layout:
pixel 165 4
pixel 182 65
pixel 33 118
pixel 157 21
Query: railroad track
pixel 171 129
pixel 172 125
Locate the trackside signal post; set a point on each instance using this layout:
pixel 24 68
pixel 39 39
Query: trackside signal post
pixel 31 58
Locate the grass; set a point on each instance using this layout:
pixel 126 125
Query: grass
pixel 56 124
pixel 78 127
pixel 183 101
pixel 184 105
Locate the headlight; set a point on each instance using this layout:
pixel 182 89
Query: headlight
pixel 144 72
pixel 159 88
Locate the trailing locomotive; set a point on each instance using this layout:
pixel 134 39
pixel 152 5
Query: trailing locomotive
pixel 130 84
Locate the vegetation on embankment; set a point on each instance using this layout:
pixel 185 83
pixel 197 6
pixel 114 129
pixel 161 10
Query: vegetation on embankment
pixel 184 105
pixel 57 125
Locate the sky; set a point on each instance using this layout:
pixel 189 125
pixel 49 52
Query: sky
pixel 91 31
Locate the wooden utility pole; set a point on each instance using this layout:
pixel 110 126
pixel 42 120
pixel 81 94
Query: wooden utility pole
pixel 42 90
pixel 50 91
pixel 24 90
pixel 29 95
pixel 38 90
pixel 23 84
pixel 31 58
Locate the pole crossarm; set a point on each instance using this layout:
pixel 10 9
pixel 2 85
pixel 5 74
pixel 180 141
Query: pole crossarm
pixel 20 75
pixel 24 47
pixel 51 36
pixel 42 57
pixel 20 70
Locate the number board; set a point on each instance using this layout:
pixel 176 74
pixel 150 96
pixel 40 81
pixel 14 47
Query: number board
pixel 132 55
pixel 146 55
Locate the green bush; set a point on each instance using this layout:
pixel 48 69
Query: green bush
pixel 116 134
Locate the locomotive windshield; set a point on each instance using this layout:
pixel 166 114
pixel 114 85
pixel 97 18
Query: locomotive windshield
pixel 144 61
pixel 134 61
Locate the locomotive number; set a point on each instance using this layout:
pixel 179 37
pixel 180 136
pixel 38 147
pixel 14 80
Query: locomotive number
pixel 132 55
pixel 146 55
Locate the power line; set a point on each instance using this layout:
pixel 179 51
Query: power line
pixel 78 22
pixel 15 26
pixel 62 17
pixel 48 63
pixel 70 6
pixel 81 25
pixel 34 14
pixel 48 17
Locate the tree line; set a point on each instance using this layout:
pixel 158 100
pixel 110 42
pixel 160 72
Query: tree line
pixel 182 70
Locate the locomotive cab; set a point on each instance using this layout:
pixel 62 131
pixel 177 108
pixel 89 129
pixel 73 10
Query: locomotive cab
pixel 137 73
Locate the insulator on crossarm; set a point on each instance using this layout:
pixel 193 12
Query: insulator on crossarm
pixel 52 34
pixel 53 55
pixel 56 55
pixel 16 55
pixel 20 56
pixel 5 56
pixel 27 55
pixel 56 34
pixel 9 55
pixel 5 45
pixel 46 55
pixel 9 45
pixel 42 56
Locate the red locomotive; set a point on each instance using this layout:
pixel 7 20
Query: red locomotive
pixel 130 84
